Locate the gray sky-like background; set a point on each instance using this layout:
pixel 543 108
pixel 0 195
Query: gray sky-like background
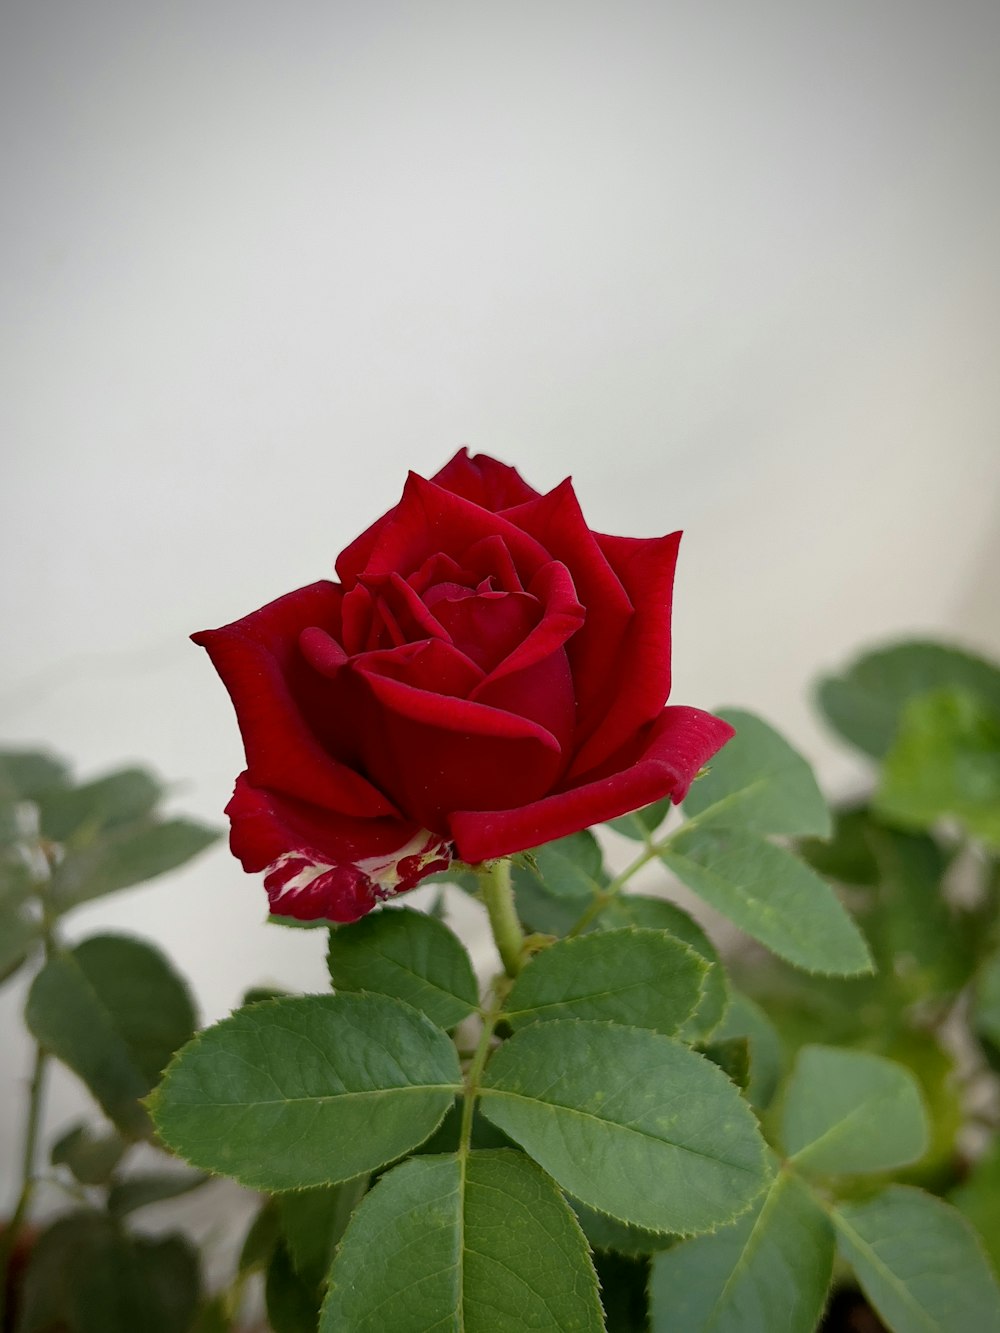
pixel 734 266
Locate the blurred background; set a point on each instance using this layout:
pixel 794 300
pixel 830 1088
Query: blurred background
pixel 732 266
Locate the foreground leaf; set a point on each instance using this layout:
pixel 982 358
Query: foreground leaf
pixel 770 1270
pixel 491 1249
pixel 629 1122
pixel 919 1263
pixel 309 1090
pixel 772 896
pixel 847 1112
pixel 407 955
pixel 759 783
pixel 642 978
pixel 636 909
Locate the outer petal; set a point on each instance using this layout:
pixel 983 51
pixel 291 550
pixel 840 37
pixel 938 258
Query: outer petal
pixel 484 481
pixel 325 867
pixel 279 702
pixel 645 567
pixel 679 743
pixel 556 522
pixel 434 753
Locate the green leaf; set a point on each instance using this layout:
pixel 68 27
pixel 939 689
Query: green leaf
pixel 139 1191
pixel 746 1019
pixel 759 784
pixel 642 978
pixel 624 1281
pixel 407 955
pixel 20 932
pixel 313 1222
pixel 770 894
pixel 148 1002
pixel 634 909
pixel 65 1015
pixel 770 1270
pixel 919 1263
pixel 309 1090
pixel 568 867
pixel 87 1276
pixel 847 855
pixel 986 1002
pixel 922 946
pixel 491 1249
pixel 847 1112
pixel 608 1234
pixel 127 856
pixel 91 1157
pixel 944 762
pixel 640 825
pixel 629 1122
pixel 865 704
pixel 27 774
pixel 292 1303
pixel 732 1056
pixel 261 1239
pixel 978 1200
pixel 117 798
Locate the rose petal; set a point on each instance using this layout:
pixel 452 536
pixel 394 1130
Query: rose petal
pixel 562 617
pixel 680 742
pixel 645 567
pixel 426 520
pixel 542 692
pixel 434 754
pixel 484 481
pixel 324 867
pixel 485 626
pixel 557 523
pixel 490 558
pixel 280 702
pixel 431 665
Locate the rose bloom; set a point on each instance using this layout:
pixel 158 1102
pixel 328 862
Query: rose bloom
pixel 487 675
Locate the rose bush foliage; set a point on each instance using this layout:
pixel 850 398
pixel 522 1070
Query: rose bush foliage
pixel 488 674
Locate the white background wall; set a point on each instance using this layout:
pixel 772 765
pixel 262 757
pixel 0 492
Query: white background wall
pixel 732 265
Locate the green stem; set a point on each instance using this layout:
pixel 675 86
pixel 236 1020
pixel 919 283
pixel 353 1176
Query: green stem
pixel 475 1073
pixel 8 1241
pixel 497 894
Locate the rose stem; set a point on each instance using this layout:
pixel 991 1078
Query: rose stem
pixel 497 894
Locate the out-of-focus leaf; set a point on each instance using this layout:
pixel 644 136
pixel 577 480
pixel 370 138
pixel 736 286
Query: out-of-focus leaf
pixel 139 1191
pixel 27 774
pixel 944 762
pixel 978 1200
pixel 865 703
pixel 127 856
pixel 90 1156
pixel 748 1020
pixel 87 1276
pixel 115 799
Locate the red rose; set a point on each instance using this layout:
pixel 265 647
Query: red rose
pixel 488 674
